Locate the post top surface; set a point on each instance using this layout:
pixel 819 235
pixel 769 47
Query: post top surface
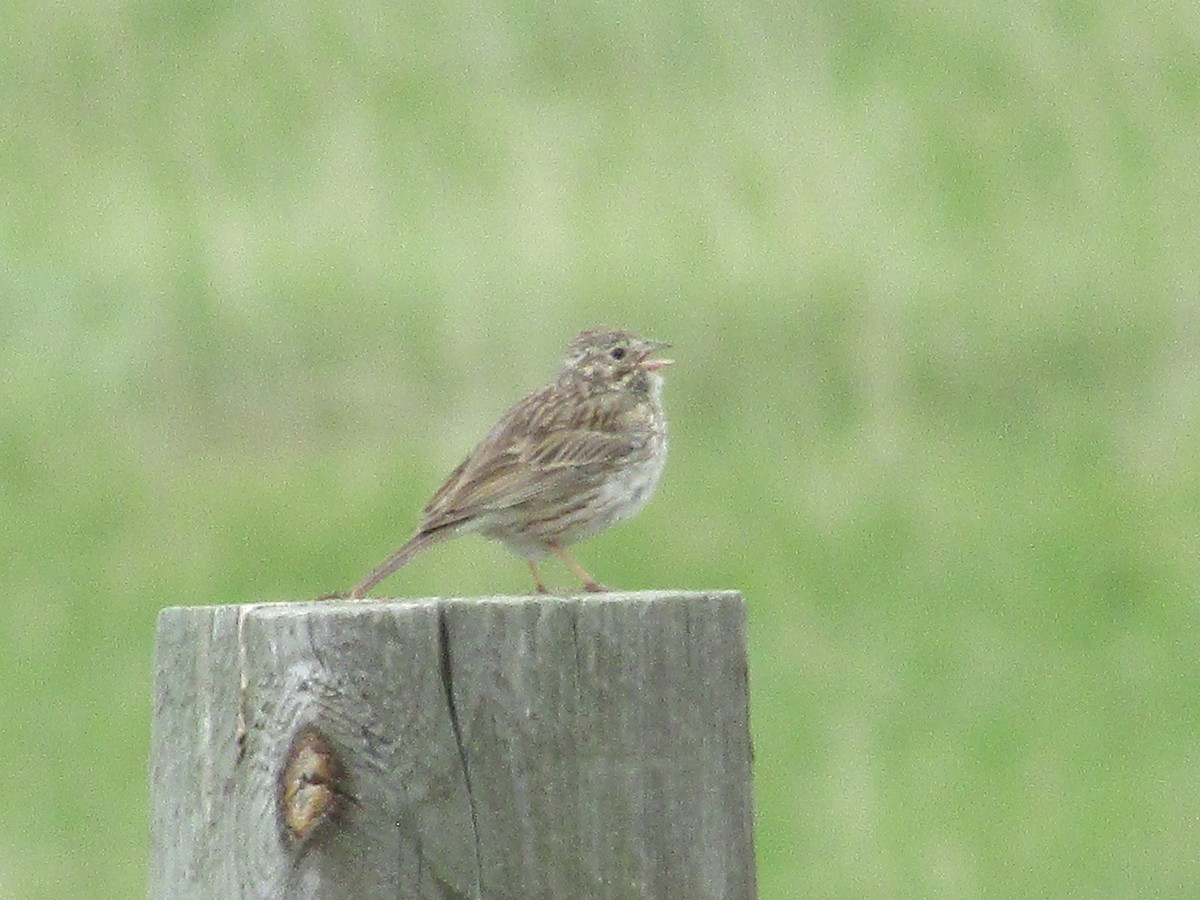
pixel 369 604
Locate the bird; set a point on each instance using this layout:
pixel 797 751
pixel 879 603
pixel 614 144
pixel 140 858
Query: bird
pixel 567 461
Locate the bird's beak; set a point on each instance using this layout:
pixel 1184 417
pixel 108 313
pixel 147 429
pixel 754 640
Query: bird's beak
pixel 651 364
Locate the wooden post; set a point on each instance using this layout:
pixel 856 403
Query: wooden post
pixel 500 748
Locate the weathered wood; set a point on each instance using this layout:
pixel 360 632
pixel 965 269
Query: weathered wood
pixel 521 747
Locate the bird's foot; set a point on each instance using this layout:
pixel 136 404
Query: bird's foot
pixel 345 595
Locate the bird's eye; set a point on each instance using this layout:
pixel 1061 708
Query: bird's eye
pixel 617 352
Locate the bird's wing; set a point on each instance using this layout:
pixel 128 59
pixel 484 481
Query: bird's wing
pixel 533 451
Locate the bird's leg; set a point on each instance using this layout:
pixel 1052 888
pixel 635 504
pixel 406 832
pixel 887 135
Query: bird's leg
pixel 589 583
pixel 537 579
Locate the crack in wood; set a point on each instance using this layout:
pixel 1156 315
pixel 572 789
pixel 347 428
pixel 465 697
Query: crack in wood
pixel 447 673
pixel 242 730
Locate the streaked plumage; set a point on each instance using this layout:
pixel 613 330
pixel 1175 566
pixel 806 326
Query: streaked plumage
pixel 565 462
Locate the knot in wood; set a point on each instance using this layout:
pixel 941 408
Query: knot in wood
pixel 309 784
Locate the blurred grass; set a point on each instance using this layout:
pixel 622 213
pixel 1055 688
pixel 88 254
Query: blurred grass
pixel 930 271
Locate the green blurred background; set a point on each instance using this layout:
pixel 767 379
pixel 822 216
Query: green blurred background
pixel 269 269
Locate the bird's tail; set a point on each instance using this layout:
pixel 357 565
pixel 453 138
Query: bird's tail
pixel 399 557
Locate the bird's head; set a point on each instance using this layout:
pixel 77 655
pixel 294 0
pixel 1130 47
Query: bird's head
pixel 613 357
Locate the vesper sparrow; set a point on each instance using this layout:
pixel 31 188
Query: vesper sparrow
pixel 567 461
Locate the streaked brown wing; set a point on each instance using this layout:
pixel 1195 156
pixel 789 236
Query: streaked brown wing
pixel 534 450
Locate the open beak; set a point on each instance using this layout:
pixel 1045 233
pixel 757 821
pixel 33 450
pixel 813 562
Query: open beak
pixel 651 364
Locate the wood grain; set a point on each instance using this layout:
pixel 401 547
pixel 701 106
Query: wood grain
pixel 508 747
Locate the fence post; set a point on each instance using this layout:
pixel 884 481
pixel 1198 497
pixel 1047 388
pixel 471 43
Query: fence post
pixel 506 747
